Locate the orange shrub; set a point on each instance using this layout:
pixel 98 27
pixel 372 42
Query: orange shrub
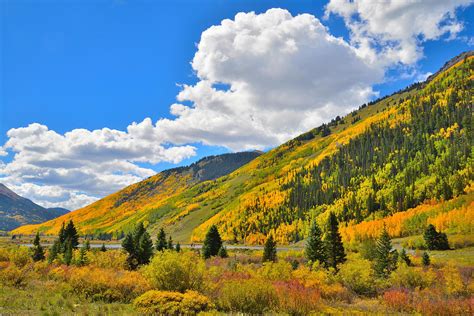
pixel 398 300
pixel 296 299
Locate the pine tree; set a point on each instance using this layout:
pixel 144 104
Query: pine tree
pixel 68 252
pixel 425 259
pixel 430 236
pixel 161 240
pixel 384 260
pixel 103 248
pixel 38 252
pixel 170 243
pixel 145 249
pixel 269 250
pixel 315 250
pixel 333 244
pixel 82 261
pixel 178 247
pixel 53 252
pixel 71 233
pixel 212 243
pixel 404 257
pixel 62 236
pixel 128 245
pixel 223 252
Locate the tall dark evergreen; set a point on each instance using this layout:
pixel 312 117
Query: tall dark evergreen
pixel 404 257
pixel 269 250
pixel 178 247
pixel 38 252
pixel 333 244
pixel 170 243
pixel 435 240
pixel 385 259
pixel 139 247
pixel 315 249
pixel 425 259
pixel 161 240
pixel 212 243
pixel 103 248
pixel 54 251
pixel 70 232
pixel 62 235
pixel 223 252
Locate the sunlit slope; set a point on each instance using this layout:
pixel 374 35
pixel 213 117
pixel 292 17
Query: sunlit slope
pixel 115 212
pixel 426 154
pixel 397 153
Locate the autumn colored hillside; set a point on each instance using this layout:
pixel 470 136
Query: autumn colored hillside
pixel 405 152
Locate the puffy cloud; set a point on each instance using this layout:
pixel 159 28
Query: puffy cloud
pixel 77 167
pixel 265 78
pixel 392 31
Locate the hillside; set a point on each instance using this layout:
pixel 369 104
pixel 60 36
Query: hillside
pixel 117 211
pixel 405 150
pixel 16 210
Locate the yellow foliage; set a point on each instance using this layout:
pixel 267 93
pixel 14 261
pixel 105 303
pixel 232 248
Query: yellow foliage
pixel 172 303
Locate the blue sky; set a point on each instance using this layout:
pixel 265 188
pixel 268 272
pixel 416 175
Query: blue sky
pixel 101 64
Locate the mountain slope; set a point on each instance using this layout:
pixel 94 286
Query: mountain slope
pixel 387 157
pixel 116 211
pixel 16 210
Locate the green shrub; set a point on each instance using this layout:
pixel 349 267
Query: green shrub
pixel 172 271
pixel 252 296
pixel 172 303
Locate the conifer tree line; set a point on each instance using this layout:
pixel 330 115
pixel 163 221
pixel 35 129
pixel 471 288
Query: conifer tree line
pixel 387 168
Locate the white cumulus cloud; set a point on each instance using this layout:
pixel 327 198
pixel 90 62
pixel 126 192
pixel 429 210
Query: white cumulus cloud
pixel 393 31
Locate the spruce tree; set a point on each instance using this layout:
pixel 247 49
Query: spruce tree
pixel 145 249
pixel 53 252
pixel 82 260
pixel 269 250
pixel 70 233
pixel 178 247
pixel 62 236
pixel 384 259
pixel 161 240
pixel 315 250
pixel 223 252
pixel 128 245
pixel 103 248
pixel 170 243
pixel 333 244
pixel 404 257
pixel 430 236
pixel 68 252
pixel 38 252
pixel 425 259
pixel 212 243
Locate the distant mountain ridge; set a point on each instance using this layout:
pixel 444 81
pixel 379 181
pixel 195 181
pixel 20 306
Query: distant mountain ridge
pixel 119 210
pixel 16 210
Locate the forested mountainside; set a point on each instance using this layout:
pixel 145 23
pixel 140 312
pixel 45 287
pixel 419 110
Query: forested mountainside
pixel 116 211
pixel 407 150
pixel 16 210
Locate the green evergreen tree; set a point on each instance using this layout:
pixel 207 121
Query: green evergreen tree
pixel 38 252
pixel 70 233
pixel 68 252
pixel 404 257
pixel 384 259
pixel 315 250
pixel 333 244
pixel 128 245
pixel 161 240
pixel 223 252
pixel 62 235
pixel 435 240
pixel 170 243
pixel 425 259
pixel 54 251
pixel 82 260
pixel 269 250
pixel 178 247
pixel 103 248
pixel 145 248
pixel 212 243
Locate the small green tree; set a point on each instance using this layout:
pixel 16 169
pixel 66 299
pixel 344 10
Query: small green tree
pixel 435 240
pixel 170 243
pixel 103 248
pixel 425 259
pixel 54 251
pixel 404 257
pixel 333 244
pixel 38 252
pixel 62 235
pixel 161 244
pixel 223 252
pixel 139 247
pixel 82 260
pixel 68 252
pixel 315 250
pixel 384 259
pixel 212 243
pixel 145 248
pixel 178 247
pixel 269 250
pixel 70 233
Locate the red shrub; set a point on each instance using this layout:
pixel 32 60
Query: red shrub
pixel 296 299
pixel 399 300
